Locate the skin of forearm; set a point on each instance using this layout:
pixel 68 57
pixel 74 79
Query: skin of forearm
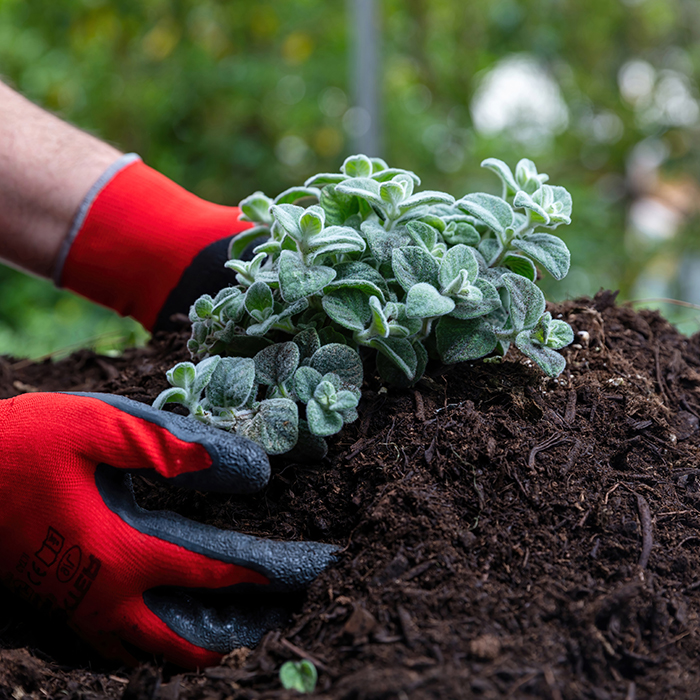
pixel 47 168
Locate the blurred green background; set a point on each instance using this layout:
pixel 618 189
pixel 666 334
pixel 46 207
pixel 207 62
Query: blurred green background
pixel 227 97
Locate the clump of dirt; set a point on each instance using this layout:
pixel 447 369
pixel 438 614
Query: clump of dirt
pixel 503 534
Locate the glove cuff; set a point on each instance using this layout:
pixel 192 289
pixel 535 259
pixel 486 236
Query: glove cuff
pixel 135 235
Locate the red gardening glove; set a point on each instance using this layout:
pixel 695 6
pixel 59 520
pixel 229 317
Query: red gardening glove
pixel 71 534
pixel 146 247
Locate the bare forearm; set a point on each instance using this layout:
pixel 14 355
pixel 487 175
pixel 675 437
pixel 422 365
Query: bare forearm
pixel 46 168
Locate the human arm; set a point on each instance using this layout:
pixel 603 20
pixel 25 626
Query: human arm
pixel 47 167
pixel 103 224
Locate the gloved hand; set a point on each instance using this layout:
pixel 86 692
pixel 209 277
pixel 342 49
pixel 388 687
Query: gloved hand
pixel 144 246
pixel 72 535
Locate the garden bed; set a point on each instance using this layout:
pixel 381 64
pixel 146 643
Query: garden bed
pixel 504 534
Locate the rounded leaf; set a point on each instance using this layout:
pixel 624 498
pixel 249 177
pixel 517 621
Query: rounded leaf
pixel 424 301
pixel 306 379
pixel 348 307
pixel 322 422
pixel 299 675
pixel 276 363
pixel 459 341
pixel 526 302
pixel 172 395
pixel 182 375
pixel 232 383
pixel 298 280
pixel 357 166
pixel 412 265
pixel 340 359
pixel 275 426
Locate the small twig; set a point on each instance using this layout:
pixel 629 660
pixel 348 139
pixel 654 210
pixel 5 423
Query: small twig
pixel 551 441
pixel 607 495
pixel 665 300
pixel 420 406
pixel 570 413
pixel 303 654
pixel 659 378
pixel 552 683
pixel 647 538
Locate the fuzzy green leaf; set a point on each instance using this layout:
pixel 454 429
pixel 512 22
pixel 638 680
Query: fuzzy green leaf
pixel 490 249
pixel 556 201
pixel 526 302
pixel 348 307
pixel 423 235
pixel 364 188
pixel 277 363
pixel 520 265
pixel 380 323
pixel 382 243
pixel 344 401
pixel 461 232
pixel 204 371
pixel 322 422
pixel 203 306
pixel 424 301
pixel 495 212
pixel 182 375
pixel 311 222
pixel 527 177
pixel 294 194
pixel 243 239
pixel 359 275
pixel 392 193
pixel 232 383
pixel 549 361
pixel 462 340
pixel 547 250
pixel 306 379
pixel 275 426
pixel 171 395
pixel 560 334
pixel 287 217
pixel 335 240
pixel 400 351
pixel 427 197
pixel 475 305
pixel 391 374
pixel 412 265
pixel 357 166
pixel 457 258
pixel 298 280
pixel 341 360
pixel 391 173
pixel 259 302
pixel 256 208
pixel 324 179
pixel 339 207
pixel 538 214
pixel 504 173
pixel 308 343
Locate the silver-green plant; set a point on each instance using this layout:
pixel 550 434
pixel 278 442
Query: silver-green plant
pixel 357 264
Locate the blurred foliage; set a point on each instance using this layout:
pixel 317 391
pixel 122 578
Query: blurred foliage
pixel 227 97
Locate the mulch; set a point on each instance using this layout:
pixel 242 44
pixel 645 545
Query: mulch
pixel 504 535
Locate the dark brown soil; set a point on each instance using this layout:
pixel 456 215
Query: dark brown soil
pixel 505 535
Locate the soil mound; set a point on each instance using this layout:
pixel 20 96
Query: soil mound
pixel 503 534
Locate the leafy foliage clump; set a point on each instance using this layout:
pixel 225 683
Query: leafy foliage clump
pixel 359 263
